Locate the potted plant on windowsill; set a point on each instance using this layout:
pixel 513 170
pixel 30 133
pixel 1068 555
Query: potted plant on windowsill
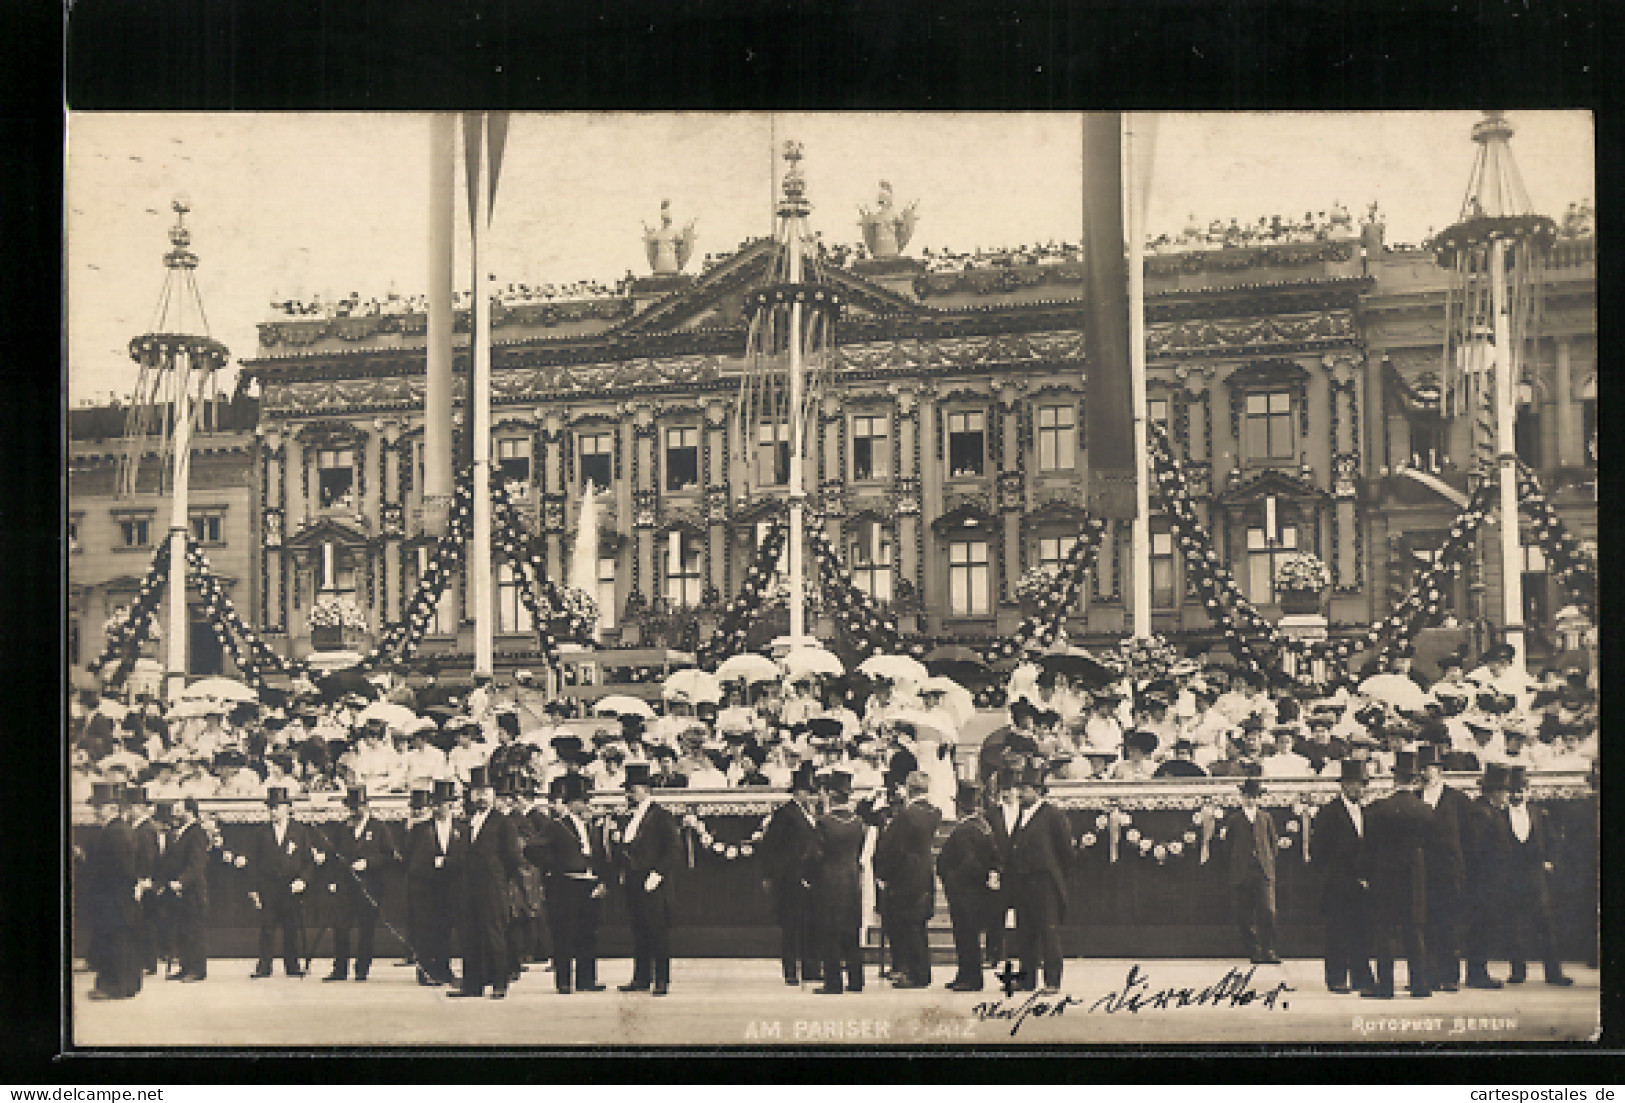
pixel 335 622
pixel 1302 580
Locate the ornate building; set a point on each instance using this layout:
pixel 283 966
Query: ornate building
pixel 949 456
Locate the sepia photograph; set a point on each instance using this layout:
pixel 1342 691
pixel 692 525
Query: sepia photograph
pixel 848 579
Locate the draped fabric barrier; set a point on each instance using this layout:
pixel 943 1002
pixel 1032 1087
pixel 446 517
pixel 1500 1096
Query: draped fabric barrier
pixel 1138 885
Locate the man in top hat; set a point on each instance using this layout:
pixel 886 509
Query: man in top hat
pixel 182 874
pixel 1339 834
pixel 484 861
pixel 838 888
pixel 968 866
pixel 280 864
pixel 1531 849
pixel 1398 827
pixel 1253 840
pixel 1445 863
pixel 572 856
pixel 1040 855
pixel 1003 817
pixel 649 854
pixel 150 841
pixel 903 867
pixel 1486 841
pixel 431 884
pixel 360 851
pixel 112 885
pixel 788 853
pixel 1183 763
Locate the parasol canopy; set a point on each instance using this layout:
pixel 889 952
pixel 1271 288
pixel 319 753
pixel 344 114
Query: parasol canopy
pixel 1396 690
pixel 218 689
pixel 748 667
pixel 621 705
pixel 812 660
pixel 953 653
pixel 341 682
pixel 396 716
pixel 896 668
pixel 926 726
pixel 111 709
pixel 956 698
pixel 692 685
pixel 1079 666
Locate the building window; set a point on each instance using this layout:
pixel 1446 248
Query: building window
pixel 595 455
pixel 73 534
pixel 967 444
pixel 683 584
pixel 968 578
pixel 1156 410
pixel 1057 438
pixel 513 615
pixel 682 459
pixel 444 622
pixel 335 473
pixel 337 570
pixel 872 561
pixel 1262 556
pixel 208 528
pixel 871 459
pixel 135 532
pixel 1535 607
pixel 1526 435
pixel 513 459
pixel 1162 571
pixel 1267 433
pixel 773 454
pixel 606 592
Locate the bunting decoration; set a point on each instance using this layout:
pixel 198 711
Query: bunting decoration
pixel 139 623
pixel 1043 627
pixel 253 657
pixel 1572 567
pixel 871 629
pixel 740 614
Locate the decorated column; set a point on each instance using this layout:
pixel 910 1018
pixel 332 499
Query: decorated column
pixel 392 526
pixel 716 495
pixel 1011 491
pixel 555 492
pixel 645 499
pixel 831 421
pixel 908 488
pixel 275 615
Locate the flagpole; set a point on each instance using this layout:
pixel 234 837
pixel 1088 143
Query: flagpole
pixel 480 553
pixel 798 612
pixel 1140 532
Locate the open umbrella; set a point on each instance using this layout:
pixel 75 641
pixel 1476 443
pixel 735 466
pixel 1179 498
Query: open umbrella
pixel 342 682
pixel 111 709
pixel 692 685
pixel 953 653
pixel 622 705
pixel 925 725
pixel 812 660
pixel 1079 666
pixel 748 667
pixel 185 710
pixel 965 673
pixel 396 716
pixel 1397 690
pixel 219 689
pixel 896 668
pixel 956 697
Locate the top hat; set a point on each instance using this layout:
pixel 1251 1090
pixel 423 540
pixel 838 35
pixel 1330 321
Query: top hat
pixel 1253 723
pixel 1495 777
pixel 134 794
pixel 637 773
pixel 805 779
pixel 355 796
pixel 104 792
pixel 479 777
pixel 445 791
pixel 419 800
pixel 570 787
pixel 1252 787
pixel 1145 742
pixel 1353 769
pixel 1427 754
pixel 661 750
pixel 1404 764
pixel 1434 731
pixel 1517 778
pixel 756 753
pixel 275 795
pixel 826 727
pixel 839 782
pixel 1183 743
pixel 967 793
pixel 1032 773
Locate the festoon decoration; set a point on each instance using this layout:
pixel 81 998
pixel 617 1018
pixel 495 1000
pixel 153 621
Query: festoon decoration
pixel 400 642
pixel 252 656
pixel 139 623
pixel 1574 569
pixel 1042 627
pixel 871 629
pixel 552 608
pixel 742 613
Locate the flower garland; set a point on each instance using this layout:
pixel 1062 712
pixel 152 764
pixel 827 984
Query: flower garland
pixel 336 611
pixel 401 641
pixel 740 614
pixel 125 639
pixel 730 851
pixel 1302 571
pixel 1043 627
pixel 1574 569
pixel 251 654
pixel 874 631
pixel 114 625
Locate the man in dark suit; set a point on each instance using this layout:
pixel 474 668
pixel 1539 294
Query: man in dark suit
pixel 281 868
pixel 1446 869
pixel 1527 899
pixel 362 849
pixel 432 883
pixel 1253 840
pixel 1002 817
pixel 183 875
pixel 903 866
pixel 1397 829
pixel 1041 853
pixel 968 866
pixel 787 853
pixel 1486 839
pixel 838 888
pixel 1339 850
pixel 571 853
pixel 150 841
pixel 484 863
pixel 113 888
pixel 650 852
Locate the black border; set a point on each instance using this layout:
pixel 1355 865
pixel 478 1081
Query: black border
pixel 701 54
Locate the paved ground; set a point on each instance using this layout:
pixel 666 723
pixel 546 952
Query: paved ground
pixel 736 1002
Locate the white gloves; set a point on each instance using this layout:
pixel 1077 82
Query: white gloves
pixel 320 856
pixel 254 896
pixel 359 865
pixel 993 879
pixel 651 882
pixel 297 885
pixel 174 886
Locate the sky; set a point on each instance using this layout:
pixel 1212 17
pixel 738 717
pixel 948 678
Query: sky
pixel 293 205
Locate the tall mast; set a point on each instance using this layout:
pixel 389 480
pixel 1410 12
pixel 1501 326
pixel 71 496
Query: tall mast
pixel 794 210
pixel 1140 532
